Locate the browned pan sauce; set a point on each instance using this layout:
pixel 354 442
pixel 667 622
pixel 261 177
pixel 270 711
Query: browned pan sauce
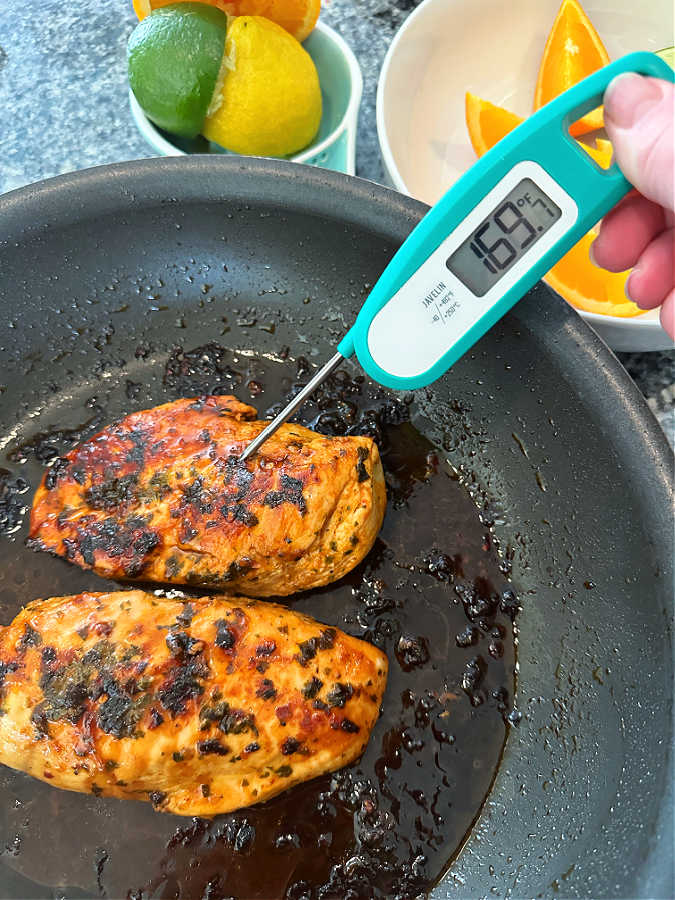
pixel 433 593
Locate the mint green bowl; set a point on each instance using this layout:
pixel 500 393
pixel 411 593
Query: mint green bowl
pixel 334 147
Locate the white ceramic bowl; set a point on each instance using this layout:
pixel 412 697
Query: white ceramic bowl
pixel 493 49
pixel 341 87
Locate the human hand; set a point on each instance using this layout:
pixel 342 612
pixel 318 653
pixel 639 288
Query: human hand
pixel 638 233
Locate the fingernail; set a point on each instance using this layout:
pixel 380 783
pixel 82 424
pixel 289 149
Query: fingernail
pixel 627 290
pixel 628 98
pixel 591 253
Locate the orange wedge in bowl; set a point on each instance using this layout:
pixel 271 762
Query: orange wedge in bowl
pixel 298 17
pixel 573 51
pixel 588 287
pixel 488 123
pixel 575 278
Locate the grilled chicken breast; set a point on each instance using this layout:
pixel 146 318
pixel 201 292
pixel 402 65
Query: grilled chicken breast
pixel 201 706
pixel 162 496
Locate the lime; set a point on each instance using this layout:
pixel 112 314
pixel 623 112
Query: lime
pixel 269 102
pixel 174 57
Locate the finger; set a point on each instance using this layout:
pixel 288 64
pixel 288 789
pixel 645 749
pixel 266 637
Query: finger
pixel 626 231
pixel 652 278
pixel 668 315
pixel 638 114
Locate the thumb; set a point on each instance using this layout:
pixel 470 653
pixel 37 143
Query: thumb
pixel 638 116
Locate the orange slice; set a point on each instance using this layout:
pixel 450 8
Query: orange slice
pixel 602 153
pixel 575 277
pixel 588 287
pixel 143 8
pixel 488 123
pixel 573 51
pixel 298 17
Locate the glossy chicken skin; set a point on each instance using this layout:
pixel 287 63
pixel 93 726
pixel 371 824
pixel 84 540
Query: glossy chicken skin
pixel 162 496
pixel 201 707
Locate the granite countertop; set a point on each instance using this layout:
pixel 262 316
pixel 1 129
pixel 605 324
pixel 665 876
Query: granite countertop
pixel 52 123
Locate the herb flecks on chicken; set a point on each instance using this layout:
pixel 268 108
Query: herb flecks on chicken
pixel 162 496
pixel 126 694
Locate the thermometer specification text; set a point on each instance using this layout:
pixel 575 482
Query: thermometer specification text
pixel 440 302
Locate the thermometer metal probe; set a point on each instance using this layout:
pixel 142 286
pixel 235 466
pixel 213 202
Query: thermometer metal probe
pixel 487 241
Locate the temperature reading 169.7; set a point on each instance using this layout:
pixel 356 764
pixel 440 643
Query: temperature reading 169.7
pixel 523 216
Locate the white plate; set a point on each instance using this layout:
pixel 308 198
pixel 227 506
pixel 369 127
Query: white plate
pixel 493 49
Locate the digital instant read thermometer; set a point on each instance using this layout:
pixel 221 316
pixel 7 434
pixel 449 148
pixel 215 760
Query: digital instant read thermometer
pixel 490 238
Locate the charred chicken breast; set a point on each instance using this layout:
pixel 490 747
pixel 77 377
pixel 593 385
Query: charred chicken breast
pixel 162 496
pixel 200 706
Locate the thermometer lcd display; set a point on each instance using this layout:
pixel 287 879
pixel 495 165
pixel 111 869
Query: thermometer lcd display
pixel 523 216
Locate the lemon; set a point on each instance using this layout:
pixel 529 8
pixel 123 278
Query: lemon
pixel 174 57
pixel 269 102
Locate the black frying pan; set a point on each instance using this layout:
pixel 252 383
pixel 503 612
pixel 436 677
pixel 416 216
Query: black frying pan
pixel 105 272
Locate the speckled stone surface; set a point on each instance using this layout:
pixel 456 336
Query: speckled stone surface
pixel 63 106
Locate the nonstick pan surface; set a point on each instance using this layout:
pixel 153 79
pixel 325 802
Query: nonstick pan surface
pixel 104 270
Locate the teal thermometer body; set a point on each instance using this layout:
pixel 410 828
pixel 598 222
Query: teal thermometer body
pixel 503 225
pixel 491 237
